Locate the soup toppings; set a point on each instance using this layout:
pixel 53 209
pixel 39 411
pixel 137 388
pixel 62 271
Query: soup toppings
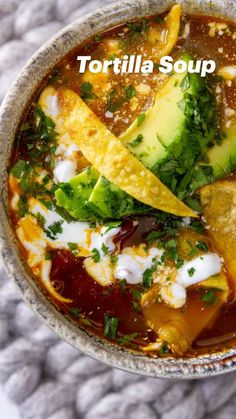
pixel 122 188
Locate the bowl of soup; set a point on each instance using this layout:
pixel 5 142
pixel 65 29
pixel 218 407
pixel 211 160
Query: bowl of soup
pixel 118 192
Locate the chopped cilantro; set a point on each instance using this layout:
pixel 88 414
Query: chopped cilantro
pixel 40 219
pixel 191 271
pixel 153 236
pixel 185 84
pixel 193 250
pixel 54 229
pixel 112 224
pixel 196 226
pixel 219 79
pixel 137 294
pixel 95 255
pixel 48 255
pixel 47 204
pixel 123 340
pixel 209 297
pixel 114 101
pixel 46 179
pixel 114 259
pixel 130 92
pixel 75 311
pixel 140 119
pixel 67 189
pixel 111 57
pixel 86 91
pixel 180 170
pixel 123 285
pixel 202 246
pixel 25 127
pixel 85 321
pixel 110 326
pixel 52 164
pixel 136 141
pixel 72 246
pixel 97 38
pixel 138 27
pixel 105 249
pixel 22 206
pixel 64 214
pixel 194 203
pixel 147 278
pixel 136 306
pixel 20 168
pixel 164 349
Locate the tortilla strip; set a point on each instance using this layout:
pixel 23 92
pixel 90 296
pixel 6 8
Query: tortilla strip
pixel 219 210
pixel 178 327
pixel 112 159
pixel 173 25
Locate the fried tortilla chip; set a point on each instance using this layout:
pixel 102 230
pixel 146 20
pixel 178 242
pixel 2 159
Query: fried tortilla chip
pixel 164 37
pixel 173 26
pixel 219 210
pixel 113 160
pixel 178 327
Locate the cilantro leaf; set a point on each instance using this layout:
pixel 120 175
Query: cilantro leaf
pixel 140 119
pixel 125 339
pixel 110 326
pixel 191 271
pixel 130 92
pixel 95 255
pixel 209 298
pixel 136 141
pixel 86 91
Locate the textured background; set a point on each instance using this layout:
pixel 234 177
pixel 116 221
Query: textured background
pixel 45 377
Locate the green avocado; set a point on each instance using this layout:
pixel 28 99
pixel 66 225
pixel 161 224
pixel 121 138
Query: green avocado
pixel 74 194
pixel 149 136
pixel 222 157
pixel 109 201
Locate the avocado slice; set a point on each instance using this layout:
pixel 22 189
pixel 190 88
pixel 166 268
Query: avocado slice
pixel 164 122
pixel 221 161
pixel 109 201
pixel 74 194
pixel 222 157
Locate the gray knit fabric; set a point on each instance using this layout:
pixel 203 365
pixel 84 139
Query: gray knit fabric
pixel 44 376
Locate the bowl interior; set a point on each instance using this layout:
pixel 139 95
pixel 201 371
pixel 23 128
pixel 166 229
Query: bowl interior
pixel 11 112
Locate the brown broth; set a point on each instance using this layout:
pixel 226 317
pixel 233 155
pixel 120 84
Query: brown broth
pixel 91 301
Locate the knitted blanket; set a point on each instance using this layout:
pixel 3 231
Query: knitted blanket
pixel 43 375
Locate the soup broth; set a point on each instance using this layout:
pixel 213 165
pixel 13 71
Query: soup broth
pixel 145 279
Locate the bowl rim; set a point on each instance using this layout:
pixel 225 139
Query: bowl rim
pixel 17 99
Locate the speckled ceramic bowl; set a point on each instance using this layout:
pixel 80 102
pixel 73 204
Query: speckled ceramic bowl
pixel 11 112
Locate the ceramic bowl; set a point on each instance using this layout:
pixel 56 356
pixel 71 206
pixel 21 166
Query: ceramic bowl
pixel 12 109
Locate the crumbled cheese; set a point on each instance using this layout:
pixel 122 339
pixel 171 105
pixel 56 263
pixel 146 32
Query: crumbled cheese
pixel 186 30
pixel 229 112
pixel 228 72
pixel 64 171
pixel 173 294
pixel 143 89
pixel 108 114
